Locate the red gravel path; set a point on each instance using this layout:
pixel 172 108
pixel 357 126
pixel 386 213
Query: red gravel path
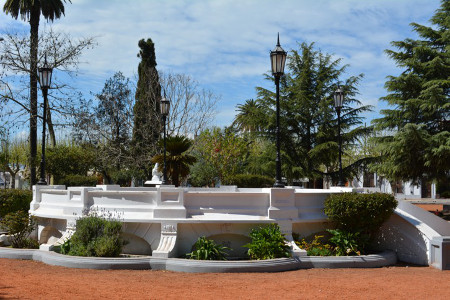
pixel 21 279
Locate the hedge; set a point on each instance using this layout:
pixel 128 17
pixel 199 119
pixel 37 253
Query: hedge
pixel 359 212
pixel 78 180
pixel 12 200
pixel 252 181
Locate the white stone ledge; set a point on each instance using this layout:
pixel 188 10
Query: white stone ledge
pixel 385 258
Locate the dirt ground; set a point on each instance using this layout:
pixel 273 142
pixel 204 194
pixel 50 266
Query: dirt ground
pixel 20 279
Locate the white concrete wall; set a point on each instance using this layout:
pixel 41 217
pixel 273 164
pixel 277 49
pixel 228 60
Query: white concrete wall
pixel 167 221
pixel 410 231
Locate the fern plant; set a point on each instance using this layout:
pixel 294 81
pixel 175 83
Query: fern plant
pixel 205 249
pixel 267 243
pixel 348 243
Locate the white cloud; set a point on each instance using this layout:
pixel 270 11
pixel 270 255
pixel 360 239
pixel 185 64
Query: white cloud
pixel 223 42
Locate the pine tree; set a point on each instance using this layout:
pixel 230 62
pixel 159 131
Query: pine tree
pixel 308 118
pixel 147 118
pixel 417 146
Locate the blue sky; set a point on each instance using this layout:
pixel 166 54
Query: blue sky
pixel 225 44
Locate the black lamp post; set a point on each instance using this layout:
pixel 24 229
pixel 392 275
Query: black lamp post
pixel 45 79
pixel 338 102
pixel 165 107
pixel 278 60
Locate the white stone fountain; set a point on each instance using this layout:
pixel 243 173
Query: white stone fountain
pixel 166 221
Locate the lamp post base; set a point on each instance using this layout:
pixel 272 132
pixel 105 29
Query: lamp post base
pixel 41 182
pixel 278 184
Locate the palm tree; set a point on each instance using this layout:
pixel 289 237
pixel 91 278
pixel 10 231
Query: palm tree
pixel 248 118
pixel 177 160
pixel 31 10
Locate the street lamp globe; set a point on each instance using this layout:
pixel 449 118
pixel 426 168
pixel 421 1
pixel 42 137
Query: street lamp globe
pixel 165 106
pixel 45 75
pixel 338 98
pixel 278 59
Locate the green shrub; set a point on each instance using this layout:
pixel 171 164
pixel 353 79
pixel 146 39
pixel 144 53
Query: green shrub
pixel 363 213
pixel 12 200
pixel 64 248
pixel 95 236
pixel 122 177
pixel 445 194
pixel 205 249
pixel 443 187
pixel 66 159
pixel 19 225
pixel 348 243
pixel 315 247
pixel 267 243
pixel 252 181
pixel 78 180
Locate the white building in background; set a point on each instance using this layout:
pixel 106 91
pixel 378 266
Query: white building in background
pixel 5 181
pixel 371 182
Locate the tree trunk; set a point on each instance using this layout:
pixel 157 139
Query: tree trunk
pixel 106 178
pixel 51 130
pixel 12 184
pixel 34 34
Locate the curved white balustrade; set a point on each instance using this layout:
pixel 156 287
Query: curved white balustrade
pixel 168 220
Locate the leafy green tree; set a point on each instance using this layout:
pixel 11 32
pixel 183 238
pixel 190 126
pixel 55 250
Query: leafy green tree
pixel 70 159
pixel 417 144
pixel 259 160
pixel 106 124
pixel 113 117
pixel 32 10
pixel 13 157
pixel 309 131
pixel 147 118
pixel 202 173
pixel 221 152
pixel 178 160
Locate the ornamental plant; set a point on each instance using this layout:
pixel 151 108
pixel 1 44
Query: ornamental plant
pixel 95 236
pixel 347 243
pixel 12 200
pixel 315 247
pixel 252 181
pixel 267 243
pixel 363 213
pixel 205 249
pixel 19 225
